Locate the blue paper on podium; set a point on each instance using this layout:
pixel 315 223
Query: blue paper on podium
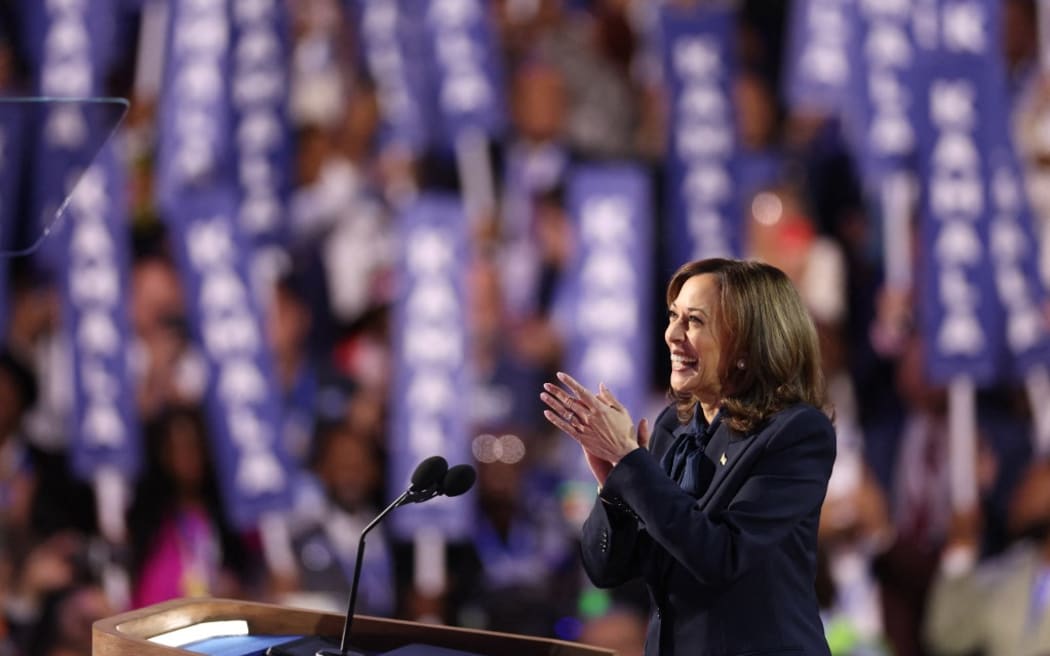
pixel 256 645
pixel 248 645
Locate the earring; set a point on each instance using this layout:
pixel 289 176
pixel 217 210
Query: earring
pixel 740 363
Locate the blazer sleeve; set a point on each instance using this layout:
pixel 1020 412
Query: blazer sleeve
pixel 610 545
pixel 612 542
pixel 786 484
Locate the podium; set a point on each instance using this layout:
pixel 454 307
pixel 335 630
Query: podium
pixel 130 634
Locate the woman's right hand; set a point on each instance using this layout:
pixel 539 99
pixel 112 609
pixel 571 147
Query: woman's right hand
pixel 598 422
pixel 601 468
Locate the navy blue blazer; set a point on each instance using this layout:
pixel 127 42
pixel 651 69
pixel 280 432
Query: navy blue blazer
pixel 730 572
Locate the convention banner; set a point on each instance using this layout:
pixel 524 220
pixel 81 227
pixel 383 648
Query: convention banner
pixel 698 65
pixel 431 381
pixel 817 65
pixel 195 148
pixel 390 36
pixel 241 400
pixel 262 129
pixel 69 46
pixel 1013 244
pixel 611 282
pixel 464 63
pixel 199 200
pixel 959 316
pixel 1013 249
pixel 96 321
pixel 883 90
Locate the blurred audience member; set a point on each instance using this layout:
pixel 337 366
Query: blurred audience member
pixel 537 159
pixel 18 392
pixel 34 335
pixel 593 48
pixel 182 544
pixel 41 572
pixel 760 161
pixel 337 215
pixel 528 576
pixel 999 607
pixel 288 329
pixel 318 85
pixel 781 232
pixel 855 527
pixel 364 357
pixel 920 502
pixel 64 628
pixel 920 498
pixel 331 510
pixel 500 374
pixel 163 361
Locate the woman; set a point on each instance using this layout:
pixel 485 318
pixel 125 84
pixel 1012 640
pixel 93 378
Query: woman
pixel 718 512
pixel 181 542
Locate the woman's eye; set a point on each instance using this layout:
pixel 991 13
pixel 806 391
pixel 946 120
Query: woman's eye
pixel 696 321
pixel 671 315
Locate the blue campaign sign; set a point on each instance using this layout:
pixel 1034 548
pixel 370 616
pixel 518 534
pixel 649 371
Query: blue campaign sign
pixel 1013 246
pixel 878 116
pixel 242 402
pixel 817 61
pixel 610 282
pixel 464 57
pixel 199 197
pixel 259 92
pixel 959 312
pixel 95 293
pixel 427 415
pixel 390 36
pixel 69 46
pixel 195 115
pixel 701 163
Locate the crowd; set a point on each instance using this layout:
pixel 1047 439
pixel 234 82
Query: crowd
pixel 901 572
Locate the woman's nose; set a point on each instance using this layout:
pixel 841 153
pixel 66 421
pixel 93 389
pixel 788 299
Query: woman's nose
pixel 674 331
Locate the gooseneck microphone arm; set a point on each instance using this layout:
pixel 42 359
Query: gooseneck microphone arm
pixel 427 481
pixel 357 574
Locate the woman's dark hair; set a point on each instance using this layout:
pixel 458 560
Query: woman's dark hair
pixel 155 494
pixel 769 352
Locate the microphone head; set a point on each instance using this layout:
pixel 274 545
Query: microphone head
pixel 428 473
pixel 458 480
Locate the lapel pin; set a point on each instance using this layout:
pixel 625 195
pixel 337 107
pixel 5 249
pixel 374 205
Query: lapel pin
pixel 723 459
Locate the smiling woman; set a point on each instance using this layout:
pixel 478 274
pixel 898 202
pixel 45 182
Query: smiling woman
pixel 746 321
pixel 718 511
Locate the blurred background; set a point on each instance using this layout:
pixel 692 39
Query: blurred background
pixel 325 239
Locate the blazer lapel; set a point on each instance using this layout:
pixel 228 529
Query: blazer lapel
pixel 726 450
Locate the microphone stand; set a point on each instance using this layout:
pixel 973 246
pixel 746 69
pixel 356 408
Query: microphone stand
pixel 408 496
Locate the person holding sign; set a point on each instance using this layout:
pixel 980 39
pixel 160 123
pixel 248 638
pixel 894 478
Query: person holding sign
pixel 717 507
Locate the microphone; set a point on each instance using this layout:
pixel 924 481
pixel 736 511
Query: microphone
pixel 458 480
pixel 426 483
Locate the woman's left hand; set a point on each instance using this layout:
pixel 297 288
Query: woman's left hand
pixel 599 423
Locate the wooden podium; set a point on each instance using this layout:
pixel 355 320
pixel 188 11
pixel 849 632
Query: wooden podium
pixel 128 634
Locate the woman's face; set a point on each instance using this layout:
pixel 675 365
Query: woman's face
pixel 692 338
